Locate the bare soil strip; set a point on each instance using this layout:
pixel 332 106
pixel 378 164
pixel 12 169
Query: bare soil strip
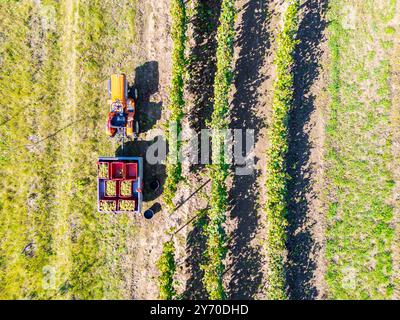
pixel 249 111
pixel 152 78
pixel 305 265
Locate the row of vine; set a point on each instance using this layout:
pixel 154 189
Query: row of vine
pixel 276 178
pixel 218 170
pixel 177 104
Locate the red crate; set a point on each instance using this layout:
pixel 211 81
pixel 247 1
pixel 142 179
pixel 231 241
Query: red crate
pixel 131 171
pixel 117 171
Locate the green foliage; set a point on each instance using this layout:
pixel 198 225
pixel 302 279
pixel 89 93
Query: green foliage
pixel 177 104
pixel 218 171
pixel 359 182
pixel 276 182
pixel 224 73
pixel 166 266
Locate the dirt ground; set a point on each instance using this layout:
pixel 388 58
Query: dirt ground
pixel 256 28
pixel 152 78
pixel 306 231
pixel 257 24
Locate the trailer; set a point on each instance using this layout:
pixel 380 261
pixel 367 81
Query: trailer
pixel 119 184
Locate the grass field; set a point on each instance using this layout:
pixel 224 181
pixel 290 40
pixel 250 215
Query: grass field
pixel 28 90
pixel 359 154
pixel 53 136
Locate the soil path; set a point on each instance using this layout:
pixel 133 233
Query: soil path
pixel 152 78
pixel 305 265
pixel 249 110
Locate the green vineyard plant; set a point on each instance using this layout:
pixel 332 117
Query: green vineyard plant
pixel 166 266
pixel 176 106
pixel 276 181
pixel 218 170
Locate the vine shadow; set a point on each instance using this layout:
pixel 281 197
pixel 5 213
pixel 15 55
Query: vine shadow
pixel 300 242
pixel 253 43
pixel 202 66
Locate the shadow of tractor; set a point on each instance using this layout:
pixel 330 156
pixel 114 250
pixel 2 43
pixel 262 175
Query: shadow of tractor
pixel 147 85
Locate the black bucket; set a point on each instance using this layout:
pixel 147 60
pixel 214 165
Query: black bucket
pixel 148 214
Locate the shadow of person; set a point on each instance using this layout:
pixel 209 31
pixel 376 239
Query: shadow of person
pixel 151 172
pixel 147 84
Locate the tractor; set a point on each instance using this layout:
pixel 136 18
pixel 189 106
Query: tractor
pixel 121 122
pixel 120 179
